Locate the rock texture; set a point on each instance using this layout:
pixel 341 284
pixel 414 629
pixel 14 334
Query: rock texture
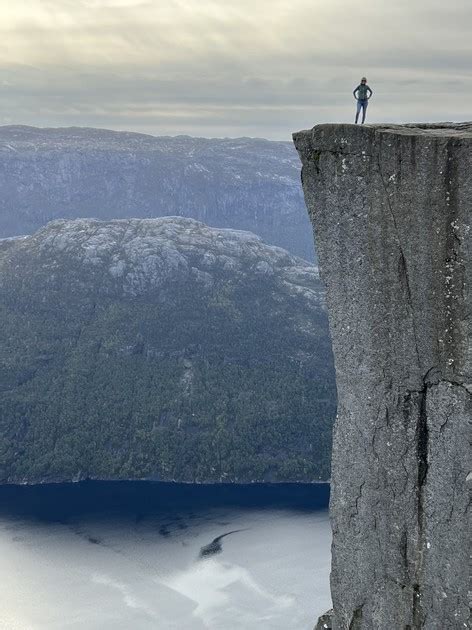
pixel 161 348
pixel 325 621
pixel 245 183
pixel 392 211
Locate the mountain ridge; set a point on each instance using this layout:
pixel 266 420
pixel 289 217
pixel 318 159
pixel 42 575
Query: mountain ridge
pixel 161 348
pixel 244 183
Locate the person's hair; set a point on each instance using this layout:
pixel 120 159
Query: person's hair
pixel 363 79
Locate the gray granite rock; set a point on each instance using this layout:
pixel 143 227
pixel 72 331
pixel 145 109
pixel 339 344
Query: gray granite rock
pixel 245 183
pixel 325 621
pixel 392 212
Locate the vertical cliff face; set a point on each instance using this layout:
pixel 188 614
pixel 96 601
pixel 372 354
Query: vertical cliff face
pixel 245 183
pixel 392 212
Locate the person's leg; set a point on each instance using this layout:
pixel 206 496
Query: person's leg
pixel 364 111
pixel 359 105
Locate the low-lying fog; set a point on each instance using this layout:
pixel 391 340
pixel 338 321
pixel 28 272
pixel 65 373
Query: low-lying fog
pixel 120 567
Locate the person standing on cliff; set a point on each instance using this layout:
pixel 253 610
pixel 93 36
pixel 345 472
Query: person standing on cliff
pixel 362 94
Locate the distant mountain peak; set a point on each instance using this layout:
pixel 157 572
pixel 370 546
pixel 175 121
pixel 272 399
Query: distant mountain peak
pixel 68 173
pixel 145 252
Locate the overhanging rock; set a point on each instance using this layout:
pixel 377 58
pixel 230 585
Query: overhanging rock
pixel 392 212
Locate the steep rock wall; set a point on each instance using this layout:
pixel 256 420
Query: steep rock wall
pixel 392 212
pixel 245 183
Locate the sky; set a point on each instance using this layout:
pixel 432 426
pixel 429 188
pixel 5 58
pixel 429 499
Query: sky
pixel 229 68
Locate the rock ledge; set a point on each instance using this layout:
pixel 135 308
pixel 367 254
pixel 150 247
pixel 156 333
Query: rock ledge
pixel 392 210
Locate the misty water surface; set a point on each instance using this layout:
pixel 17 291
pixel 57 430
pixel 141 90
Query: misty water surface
pixel 116 556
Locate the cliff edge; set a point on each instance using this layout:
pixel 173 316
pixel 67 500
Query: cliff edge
pixel 392 211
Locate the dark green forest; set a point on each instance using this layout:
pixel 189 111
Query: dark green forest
pixel 230 383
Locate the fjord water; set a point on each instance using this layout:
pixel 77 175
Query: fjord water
pixel 144 555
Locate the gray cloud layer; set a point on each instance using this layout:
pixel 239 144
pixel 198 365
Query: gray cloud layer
pixel 215 68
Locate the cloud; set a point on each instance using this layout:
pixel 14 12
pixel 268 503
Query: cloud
pixel 210 585
pixel 215 67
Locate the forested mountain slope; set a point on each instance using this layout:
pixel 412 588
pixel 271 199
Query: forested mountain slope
pixel 161 348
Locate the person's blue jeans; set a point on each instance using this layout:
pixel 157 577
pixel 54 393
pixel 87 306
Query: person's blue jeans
pixel 361 104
